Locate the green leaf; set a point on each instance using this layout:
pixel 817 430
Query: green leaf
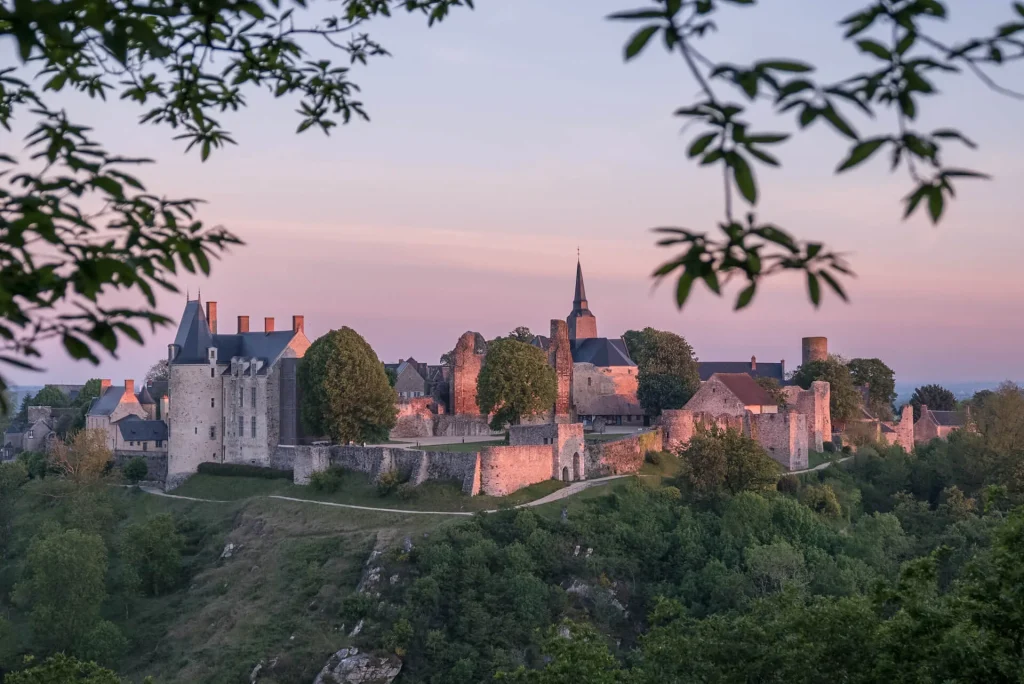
pixel 834 284
pixel 838 122
pixel 784 65
pixel 744 177
pixel 1019 6
pixel 745 297
pixel 813 288
pixel 701 144
pixel 914 199
pixel 636 14
pixel 936 203
pixel 861 153
pixel 76 348
pixel 906 42
pixel 639 41
pixel 683 288
pixel 808 115
pixel 763 156
pixel 875 48
pixel 767 138
pixel 955 135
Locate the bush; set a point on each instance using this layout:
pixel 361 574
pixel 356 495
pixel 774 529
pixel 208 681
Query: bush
pixel 654 458
pixel 789 484
pixel 837 442
pixel 242 470
pixel 829 447
pixel 407 491
pixel 327 481
pixel 847 449
pixel 34 462
pixel 136 470
pixel 388 482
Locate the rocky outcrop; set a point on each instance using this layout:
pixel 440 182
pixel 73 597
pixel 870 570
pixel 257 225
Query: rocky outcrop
pixel 349 666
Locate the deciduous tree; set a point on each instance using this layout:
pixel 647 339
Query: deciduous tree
pixel 774 390
pixel 159 371
pixel 63 669
pixel 667 368
pixel 136 470
pixel 345 391
pixel 845 399
pixel 881 383
pixel 935 397
pixel 515 381
pixel 83 457
pixel 718 461
pixel 151 551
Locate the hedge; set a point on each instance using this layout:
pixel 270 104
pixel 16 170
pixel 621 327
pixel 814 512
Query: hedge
pixel 243 470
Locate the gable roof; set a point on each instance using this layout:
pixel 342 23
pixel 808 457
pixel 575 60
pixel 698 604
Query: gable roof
pixel 194 339
pixel 763 370
pixel 947 418
pixel 135 429
pixel 158 388
pixel 145 397
pixel 745 388
pixel 601 351
pixel 105 404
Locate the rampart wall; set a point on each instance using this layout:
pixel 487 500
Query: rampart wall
pixel 622 455
pixel 505 469
pixel 814 404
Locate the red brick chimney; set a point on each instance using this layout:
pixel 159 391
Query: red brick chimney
pixel 753 363
pixel 298 324
pixel 129 387
pixel 211 316
pixel 104 384
pixel 243 324
pixel 268 325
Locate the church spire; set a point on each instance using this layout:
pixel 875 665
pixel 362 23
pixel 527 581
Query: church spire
pixel 582 323
pixel 580 300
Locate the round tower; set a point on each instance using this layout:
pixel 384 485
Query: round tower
pixel 815 349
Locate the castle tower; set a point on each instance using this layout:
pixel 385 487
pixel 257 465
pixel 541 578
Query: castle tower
pixel 814 349
pixel 582 322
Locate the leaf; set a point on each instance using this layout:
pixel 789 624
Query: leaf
pixel 838 122
pixel 861 153
pixel 813 288
pixel 914 199
pixel 875 48
pixel 744 177
pixel 701 144
pixel 639 41
pixel 808 115
pixel 763 156
pixel 906 42
pixel 745 297
pixel 936 203
pixel 636 14
pixel 76 348
pixel 1019 6
pixel 784 65
pixel 767 138
pixel 683 288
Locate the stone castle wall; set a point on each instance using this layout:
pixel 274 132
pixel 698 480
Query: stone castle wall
pixel 448 425
pixel 784 437
pixel 680 425
pixel 605 391
pixel 715 398
pixel 622 455
pixel 566 441
pixel 415 418
pixel 814 404
pixel 466 365
pixel 505 469
pixel 156 463
pixel 190 417
pixel 560 358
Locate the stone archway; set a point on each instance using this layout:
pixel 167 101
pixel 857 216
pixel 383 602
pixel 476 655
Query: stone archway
pixel 565 474
pixel 576 466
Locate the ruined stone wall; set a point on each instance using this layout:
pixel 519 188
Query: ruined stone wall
pixel 622 455
pixel 505 469
pixel 715 398
pixel 680 425
pixel 814 403
pixel 784 437
pixel 415 418
pixel 560 358
pixel 905 429
pixel 449 425
pixel 305 460
pixel 156 463
pixel 606 391
pixel 413 465
pixel 568 449
pixel 466 365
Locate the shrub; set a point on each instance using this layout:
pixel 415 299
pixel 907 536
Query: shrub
pixel 136 470
pixel 388 482
pixel 407 491
pixel 327 481
pixel 837 442
pixel 789 484
pixel 653 457
pixel 243 470
pixel 34 462
pixel 829 447
pixel 822 499
pixel 847 449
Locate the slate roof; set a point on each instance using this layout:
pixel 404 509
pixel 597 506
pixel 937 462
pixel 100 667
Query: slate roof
pixel 609 405
pixel 745 388
pixel 886 429
pixel 194 339
pixel 105 404
pixel 144 397
pixel 135 429
pixel 601 351
pixel 763 370
pixel 947 418
pixel 158 388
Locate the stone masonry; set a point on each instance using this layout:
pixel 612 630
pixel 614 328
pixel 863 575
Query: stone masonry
pixel 814 404
pixel 468 360
pixel 560 358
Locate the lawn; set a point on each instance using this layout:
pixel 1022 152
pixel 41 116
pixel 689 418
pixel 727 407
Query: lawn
pixel 462 447
pixel 817 458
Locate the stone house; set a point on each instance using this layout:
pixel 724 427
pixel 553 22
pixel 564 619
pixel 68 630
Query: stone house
pixel 937 424
pixel 733 394
pixel 35 434
pixel 140 435
pixel 234 396
pixel 115 404
pixel 776 371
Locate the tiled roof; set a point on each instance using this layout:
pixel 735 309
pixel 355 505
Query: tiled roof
pixel 947 418
pixel 601 351
pixel 745 388
pixel 763 370
pixel 137 430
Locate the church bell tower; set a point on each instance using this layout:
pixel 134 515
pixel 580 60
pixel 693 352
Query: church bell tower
pixel 582 322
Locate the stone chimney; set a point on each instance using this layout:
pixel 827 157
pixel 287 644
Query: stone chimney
pixel 129 387
pixel 299 324
pixel 753 363
pixel 924 411
pixel 104 384
pixel 211 316
pixel 164 407
pixel 243 324
pixel 268 325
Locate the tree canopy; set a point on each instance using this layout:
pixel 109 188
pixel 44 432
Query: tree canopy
pixel 881 384
pixel 845 399
pixel 935 397
pixel 725 461
pixel 345 391
pixel 515 381
pixel 667 369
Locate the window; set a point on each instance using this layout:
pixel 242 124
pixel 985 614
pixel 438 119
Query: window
pixel 254 396
pixel 213 432
pixel 241 426
pixel 31 434
pixel 211 402
pixel 145 446
pixel 159 443
pixel 213 372
pixel 197 431
pixel 589 380
pixel 254 427
pixel 241 395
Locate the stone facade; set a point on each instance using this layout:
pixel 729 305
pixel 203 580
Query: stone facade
pixel 415 418
pixel 814 349
pixel 607 393
pixel 814 404
pixel 505 469
pixel 567 445
pixel 784 437
pixel 936 424
pixel 468 360
pixel 560 358
pixel 622 455
pixel 680 425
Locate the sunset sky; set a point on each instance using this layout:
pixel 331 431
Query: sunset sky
pixel 506 137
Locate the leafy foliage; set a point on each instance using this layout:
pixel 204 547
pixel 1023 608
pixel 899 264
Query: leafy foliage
pixel 935 397
pixel 881 383
pixel 83 457
pixel 522 334
pixel 907 61
pixel 667 369
pixel 79 223
pixel 152 554
pixel 515 381
pixel 774 390
pixel 845 399
pixel 345 392
pixel 62 669
pixel 136 470
pixel 718 461
pixel 159 371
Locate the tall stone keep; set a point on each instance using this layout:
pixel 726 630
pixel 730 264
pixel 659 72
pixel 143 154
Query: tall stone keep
pixel 582 322
pixel 814 349
pixel 466 364
pixel 560 358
